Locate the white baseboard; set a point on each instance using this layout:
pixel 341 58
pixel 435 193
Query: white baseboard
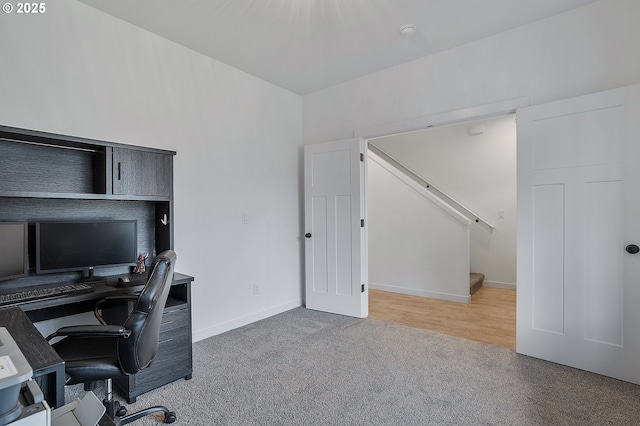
pixel 421 293
pixel 498 284
pixel 242 321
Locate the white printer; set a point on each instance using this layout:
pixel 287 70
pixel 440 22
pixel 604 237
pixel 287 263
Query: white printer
pixel 21 400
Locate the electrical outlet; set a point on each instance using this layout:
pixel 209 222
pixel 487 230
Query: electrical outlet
pixel 245 218
pixel 500 214
pixel 256 289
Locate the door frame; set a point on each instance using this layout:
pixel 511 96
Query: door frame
pixel 423 123
pixel 452 117
pixel 428 121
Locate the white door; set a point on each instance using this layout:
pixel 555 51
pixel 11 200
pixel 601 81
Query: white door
pixel 335 236
pixel 578 299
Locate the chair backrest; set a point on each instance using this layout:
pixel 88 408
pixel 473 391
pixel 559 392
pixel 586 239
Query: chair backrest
pixel 140 348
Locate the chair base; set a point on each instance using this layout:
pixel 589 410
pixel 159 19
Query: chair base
pixel 116 412
pixel 169 416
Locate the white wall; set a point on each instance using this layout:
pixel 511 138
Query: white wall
pixel 586 50
pixel 74 70
pixel 417 245
pixel 478 171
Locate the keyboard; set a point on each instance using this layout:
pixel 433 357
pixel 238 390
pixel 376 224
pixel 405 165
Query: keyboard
pixel 44 293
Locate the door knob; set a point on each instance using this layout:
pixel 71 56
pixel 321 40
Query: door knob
pixel 307 235
pixel 632 249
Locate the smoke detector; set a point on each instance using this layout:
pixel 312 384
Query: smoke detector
pixel 407 30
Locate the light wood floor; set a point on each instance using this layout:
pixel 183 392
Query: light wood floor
pixel 489 318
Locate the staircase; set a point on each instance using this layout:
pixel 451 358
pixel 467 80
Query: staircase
pixel 475 282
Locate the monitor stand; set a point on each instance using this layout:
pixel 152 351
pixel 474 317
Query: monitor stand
pixel 91 278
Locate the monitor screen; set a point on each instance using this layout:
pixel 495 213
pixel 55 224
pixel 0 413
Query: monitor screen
pixel 82 245
pixel 13 250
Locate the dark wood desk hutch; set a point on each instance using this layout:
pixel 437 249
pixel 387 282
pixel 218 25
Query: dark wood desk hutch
pixel 46 176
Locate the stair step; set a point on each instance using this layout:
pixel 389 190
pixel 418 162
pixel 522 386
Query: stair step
pixel 475 282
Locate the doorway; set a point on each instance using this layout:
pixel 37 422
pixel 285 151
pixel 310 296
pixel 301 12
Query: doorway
pixel 472 162
pixel 340 163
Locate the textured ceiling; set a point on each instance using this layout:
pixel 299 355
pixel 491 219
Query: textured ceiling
pixel 307 45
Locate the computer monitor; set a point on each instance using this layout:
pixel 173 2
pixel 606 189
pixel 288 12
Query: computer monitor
pixel 13 250
pixel 82 245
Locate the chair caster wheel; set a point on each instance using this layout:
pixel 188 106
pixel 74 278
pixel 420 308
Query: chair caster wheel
pixel 121 411
pixel 170 417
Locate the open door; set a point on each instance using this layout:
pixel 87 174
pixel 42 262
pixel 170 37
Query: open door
pixel 335 233
pixel 578 232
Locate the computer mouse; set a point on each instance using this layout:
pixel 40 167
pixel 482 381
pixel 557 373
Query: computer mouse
pixel 123 282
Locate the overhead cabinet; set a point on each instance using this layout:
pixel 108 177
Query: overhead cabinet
pixel 137 172
pixel 37 164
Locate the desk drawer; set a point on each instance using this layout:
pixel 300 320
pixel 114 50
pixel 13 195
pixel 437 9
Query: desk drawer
pixel 174 340
pixel 174 317
pixel 172 362
pixel 174 358
pixel 181 335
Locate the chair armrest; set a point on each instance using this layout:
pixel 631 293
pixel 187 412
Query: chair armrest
pixel 112 299
pixel 91 331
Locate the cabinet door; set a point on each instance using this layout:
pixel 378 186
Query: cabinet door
pixel 141 172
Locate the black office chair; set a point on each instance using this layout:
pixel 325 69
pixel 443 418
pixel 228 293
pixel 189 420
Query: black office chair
pixel 103 352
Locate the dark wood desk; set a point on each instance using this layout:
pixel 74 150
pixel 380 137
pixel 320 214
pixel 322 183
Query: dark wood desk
pixel 48 367
pixel 174 359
